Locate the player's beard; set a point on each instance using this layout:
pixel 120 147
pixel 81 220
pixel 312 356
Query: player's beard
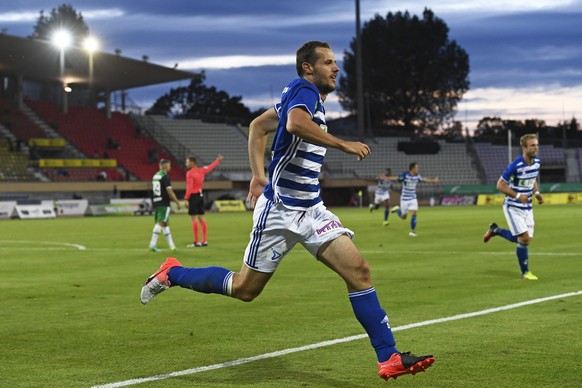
pixel 321 85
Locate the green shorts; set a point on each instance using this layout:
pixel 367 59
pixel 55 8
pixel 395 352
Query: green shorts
pixel 162 214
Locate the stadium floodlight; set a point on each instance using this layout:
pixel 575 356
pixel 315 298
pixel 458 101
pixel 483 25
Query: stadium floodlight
pixel 62 39
pixel 91 44
pixel 68 89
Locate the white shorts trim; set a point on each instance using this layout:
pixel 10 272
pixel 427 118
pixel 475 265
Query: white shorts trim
pixel 519 220
pixel 276 230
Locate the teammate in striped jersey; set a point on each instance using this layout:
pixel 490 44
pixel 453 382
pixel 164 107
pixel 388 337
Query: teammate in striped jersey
pixel 408 201
pixel 289 211
pixel 519 183
pixel 382 195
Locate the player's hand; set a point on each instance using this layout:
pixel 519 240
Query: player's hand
pixel 256 188
pixel 361 150
pixel 178 205
pixel 539 198
pixel 186 204
pixel 523 199
pixel 220 157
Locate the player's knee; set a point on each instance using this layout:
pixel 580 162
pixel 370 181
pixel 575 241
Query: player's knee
pixel 246 295
pixel 525 239
pixel 362 271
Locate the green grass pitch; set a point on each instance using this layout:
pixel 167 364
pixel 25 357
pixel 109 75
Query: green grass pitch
pixel 72 317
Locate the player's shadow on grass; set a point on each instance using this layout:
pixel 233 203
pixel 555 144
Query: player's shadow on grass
pixel 501 274
pixel 274 372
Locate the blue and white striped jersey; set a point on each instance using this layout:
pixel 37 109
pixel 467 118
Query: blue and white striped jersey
pixel 383 186
pixel 521 178
pixel 296 163
pixel 409 183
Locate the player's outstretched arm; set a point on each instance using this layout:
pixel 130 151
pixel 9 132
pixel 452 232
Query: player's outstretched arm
pixel 300 124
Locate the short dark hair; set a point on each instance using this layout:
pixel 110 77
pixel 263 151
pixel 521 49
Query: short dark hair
pixel 412 165
pixel 164 162
pixel 192 159
pixel 306 53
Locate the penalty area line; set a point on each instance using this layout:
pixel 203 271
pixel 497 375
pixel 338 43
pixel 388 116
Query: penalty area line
pixel 283 352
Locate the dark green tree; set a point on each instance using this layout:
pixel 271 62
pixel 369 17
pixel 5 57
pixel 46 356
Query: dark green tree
pixel 199 100
pixel 64 17
pixel 414 76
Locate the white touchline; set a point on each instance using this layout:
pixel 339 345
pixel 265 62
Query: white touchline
pixel 328 343
pixel 78 246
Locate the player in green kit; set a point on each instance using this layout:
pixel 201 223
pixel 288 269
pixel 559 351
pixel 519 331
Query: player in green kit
pixel 162 194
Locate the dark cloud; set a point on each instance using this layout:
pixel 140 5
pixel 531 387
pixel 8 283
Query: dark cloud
pixel 507 50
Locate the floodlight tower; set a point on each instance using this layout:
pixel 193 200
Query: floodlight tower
pixel 62 39
pixel 91 45
pixel 359 75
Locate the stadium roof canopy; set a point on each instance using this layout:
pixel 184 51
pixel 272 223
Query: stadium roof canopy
pixel 40 60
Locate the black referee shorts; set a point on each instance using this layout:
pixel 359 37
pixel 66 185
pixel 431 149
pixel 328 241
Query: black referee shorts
pixel 196 205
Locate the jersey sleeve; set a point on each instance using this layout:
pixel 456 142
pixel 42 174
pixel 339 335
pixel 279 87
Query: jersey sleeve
pixel 305 97
pixel 509 171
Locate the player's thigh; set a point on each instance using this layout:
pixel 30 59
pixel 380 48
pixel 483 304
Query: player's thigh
pixel 344 258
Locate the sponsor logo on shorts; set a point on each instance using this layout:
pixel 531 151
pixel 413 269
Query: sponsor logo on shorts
pixel 329 226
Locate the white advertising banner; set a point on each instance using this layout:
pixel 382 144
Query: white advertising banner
pixel 35 211
pixel 7 209
pixel 68 207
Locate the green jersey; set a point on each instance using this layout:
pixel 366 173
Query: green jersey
pixel 160 185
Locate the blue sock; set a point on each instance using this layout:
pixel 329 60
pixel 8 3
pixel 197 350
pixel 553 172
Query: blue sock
pixel 506 234
pixel 386 214
pixel 413 222
pixel 522 256
pixel 399 213
pixel 209 280
pixel 373 318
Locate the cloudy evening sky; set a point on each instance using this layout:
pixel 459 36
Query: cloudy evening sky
pixel 525 55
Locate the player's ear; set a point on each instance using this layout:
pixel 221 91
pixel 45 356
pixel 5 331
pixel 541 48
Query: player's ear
pixel 307 68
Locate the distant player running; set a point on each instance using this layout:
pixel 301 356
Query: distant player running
pixel 162 194
pixel 519 183
pixel 382 195
pixel 408 201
